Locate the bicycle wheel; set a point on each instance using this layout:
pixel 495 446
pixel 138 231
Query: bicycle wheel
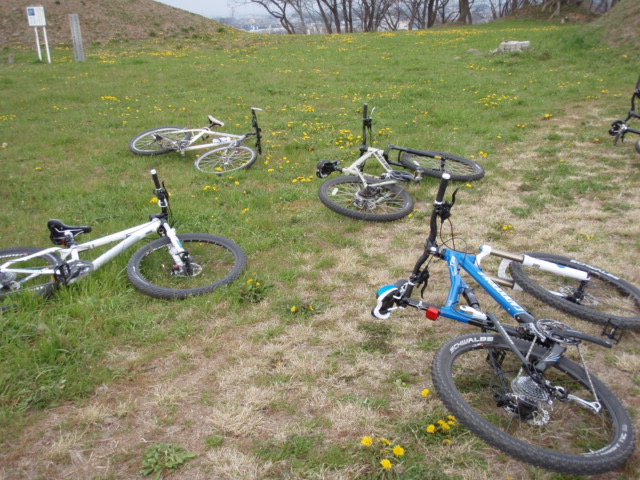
pixel 605 296
pixel 478 378
pixel 158 141
pixel 226 159
pixel 13 285
pixel 434 164
pixel 212 262
pixel 375 203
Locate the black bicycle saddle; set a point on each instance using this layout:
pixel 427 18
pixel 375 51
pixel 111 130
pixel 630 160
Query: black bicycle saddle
pixel 59 231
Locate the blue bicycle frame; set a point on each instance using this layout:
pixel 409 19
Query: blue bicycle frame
pixel 461 260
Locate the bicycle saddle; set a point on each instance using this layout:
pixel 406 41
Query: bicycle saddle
pixel 59 231
pixel 215 122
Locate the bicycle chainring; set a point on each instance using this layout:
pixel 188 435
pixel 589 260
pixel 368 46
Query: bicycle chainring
pixel 553 329
pixel 7 281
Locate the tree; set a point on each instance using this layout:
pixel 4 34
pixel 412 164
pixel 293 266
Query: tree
pixel 330 14
pixel 464 15
pixel 277 9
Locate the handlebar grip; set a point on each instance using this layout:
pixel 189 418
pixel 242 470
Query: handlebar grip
pixel 443 187
pixel 156 181
pixel 365 110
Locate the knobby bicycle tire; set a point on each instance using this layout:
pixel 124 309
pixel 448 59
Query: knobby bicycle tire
pixel 375 203
pixel 607 296
pixel 476 376
pixel 434 164
pixel 215 261
pixel 13 285
pixel 147 144
pixel 226 159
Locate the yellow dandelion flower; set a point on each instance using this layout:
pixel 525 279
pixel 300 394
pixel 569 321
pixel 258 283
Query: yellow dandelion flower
pixel 425 392
pixel 431 429
pixel 153 200
pixel 384 440
pixel 294 309
pixel 386 464
pixel 367 441
pixel 398 451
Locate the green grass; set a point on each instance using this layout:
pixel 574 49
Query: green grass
pixel 67 126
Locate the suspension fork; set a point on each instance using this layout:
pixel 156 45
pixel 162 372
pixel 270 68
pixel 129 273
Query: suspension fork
pixel 176 250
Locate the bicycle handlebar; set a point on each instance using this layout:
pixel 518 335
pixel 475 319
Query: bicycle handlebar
pixel 160 192
pixel 619 128
pixel 437 207
pixel 156 181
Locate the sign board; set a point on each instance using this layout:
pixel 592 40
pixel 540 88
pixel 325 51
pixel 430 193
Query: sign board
pixel 36 17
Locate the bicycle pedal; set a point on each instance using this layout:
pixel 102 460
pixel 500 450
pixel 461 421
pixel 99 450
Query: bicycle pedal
pixel 613 331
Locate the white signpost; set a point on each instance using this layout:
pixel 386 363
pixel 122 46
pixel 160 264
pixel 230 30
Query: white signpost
pixel 36 18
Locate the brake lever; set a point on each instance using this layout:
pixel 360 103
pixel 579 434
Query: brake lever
pixel 423 279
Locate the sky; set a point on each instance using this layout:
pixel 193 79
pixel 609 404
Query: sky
pixel 213 8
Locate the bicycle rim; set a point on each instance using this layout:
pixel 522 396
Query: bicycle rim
pixel 226 159
pixel 348 196
pixel 460 168
pixel 212 262
pixel 605 297
pixel 481 384
pixel 16 287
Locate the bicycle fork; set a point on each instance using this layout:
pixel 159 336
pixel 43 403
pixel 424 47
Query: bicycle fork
pixel 182 264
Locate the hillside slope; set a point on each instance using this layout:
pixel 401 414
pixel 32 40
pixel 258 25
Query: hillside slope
pixel 101 21
pixel 621 24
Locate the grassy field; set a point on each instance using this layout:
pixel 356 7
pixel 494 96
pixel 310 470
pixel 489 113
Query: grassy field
pixel 283 373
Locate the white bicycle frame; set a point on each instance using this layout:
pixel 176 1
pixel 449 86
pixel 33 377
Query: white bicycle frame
pixel 223 139
pixel 126 239
pixel 354 168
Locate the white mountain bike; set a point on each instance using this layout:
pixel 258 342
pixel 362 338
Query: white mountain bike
pixel 227 150
pixel 382 198
pixel 174 266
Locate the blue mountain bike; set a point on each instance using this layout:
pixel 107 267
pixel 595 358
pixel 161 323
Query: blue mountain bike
pixel 514 386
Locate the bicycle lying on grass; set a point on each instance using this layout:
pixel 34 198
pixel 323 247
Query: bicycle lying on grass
pixel 620 128
pixel 514 387
pixel 228 152
pixel 174 266
pixel 383 199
